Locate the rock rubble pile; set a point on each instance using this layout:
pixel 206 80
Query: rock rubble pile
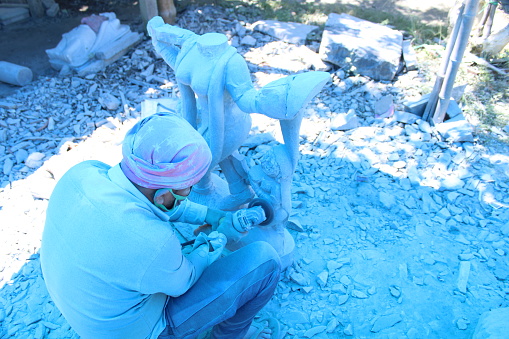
pixel 399 233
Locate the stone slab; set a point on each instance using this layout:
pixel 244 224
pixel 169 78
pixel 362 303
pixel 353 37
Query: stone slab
pixel 120 45
pixel 405 117
pixel 291 32
pixel 409 56
pixel 153 106
pixel 367 48
pixel 456 131
pixel 11 15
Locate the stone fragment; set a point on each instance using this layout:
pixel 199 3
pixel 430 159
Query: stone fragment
pixel 345 121
pixel 456 131
pixel 51 124
pixel 8 104
pixel 50 325
pixel 416 107
pixel 291 32
pixel 322 278
pixel 8 164
pixel 444 213
pixel 464 272
pixel 333 265
pixel 462 323
pixel 451 183
pixel 345 280
pixel 492 324
pixel 369 49
pixel 409 56
pixel 34 160
pixel 385 321
pixel 20 155
pixel 453 110
pixel 501 273
pixel 295 224
pixel 462 240
pixel 342 299
pixel 109 102
pixel 331 325
pixel 314 331
pixel 395 291
pixel 32 318
pixel 505 228
pixel 405 117
pixel 387 200
pixel 425 127
pixel 359 294
pixel 348 330
pixel 293 318
pixel 248 40
pixel 299 278
pixel 307 289
pixel 384 107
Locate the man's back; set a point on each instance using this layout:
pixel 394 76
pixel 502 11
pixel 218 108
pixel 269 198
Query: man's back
pixel 98 245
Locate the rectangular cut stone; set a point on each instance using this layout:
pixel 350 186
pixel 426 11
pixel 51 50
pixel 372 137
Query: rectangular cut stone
pixel 291 32
pixel 12 15
pixel 371 49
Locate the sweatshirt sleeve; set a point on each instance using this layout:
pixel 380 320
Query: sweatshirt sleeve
pixel 171 272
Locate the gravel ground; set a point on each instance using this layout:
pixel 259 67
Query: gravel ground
pixel 402 234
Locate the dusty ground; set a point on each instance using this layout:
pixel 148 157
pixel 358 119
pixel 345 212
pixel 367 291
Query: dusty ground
pixel 403 235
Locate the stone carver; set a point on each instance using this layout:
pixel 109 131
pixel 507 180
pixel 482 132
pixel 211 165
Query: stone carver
pixel 216 93
pixel 112 262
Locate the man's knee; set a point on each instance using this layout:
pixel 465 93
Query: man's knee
pixel 263 252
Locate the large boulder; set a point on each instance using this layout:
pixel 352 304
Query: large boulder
pixel 493 324
pixel 369 49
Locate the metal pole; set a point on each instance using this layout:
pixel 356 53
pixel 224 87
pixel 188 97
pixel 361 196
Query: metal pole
pixel 432 101
pixel 456 56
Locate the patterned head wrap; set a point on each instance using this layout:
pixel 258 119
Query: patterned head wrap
pixel 164 151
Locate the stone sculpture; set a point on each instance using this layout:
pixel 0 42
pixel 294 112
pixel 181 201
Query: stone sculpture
pixel 96 43
pixel 216 93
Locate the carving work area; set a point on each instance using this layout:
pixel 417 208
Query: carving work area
pixel 383 225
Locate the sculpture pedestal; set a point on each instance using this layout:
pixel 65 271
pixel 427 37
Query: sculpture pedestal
pixel 279 238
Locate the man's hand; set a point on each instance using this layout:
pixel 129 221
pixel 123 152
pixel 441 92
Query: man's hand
pixel 226 228
pixel 210 246
pixel 214 217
